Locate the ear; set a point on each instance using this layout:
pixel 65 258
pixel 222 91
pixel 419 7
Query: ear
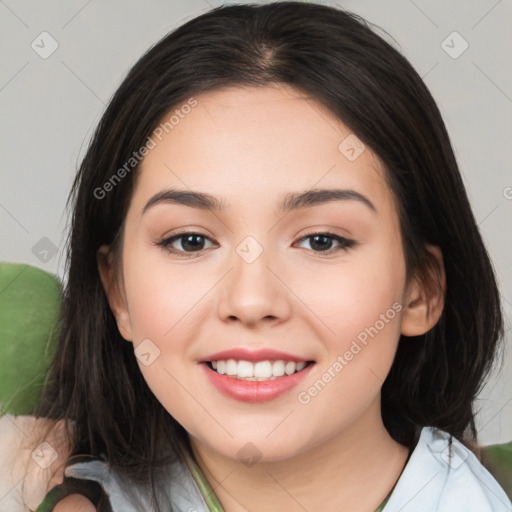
pixel 114 292
pixel 424 298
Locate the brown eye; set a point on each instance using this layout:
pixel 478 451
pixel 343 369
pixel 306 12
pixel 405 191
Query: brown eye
pixel 183 243
pixel 323 242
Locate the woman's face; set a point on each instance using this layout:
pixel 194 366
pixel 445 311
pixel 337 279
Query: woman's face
pixel 256 278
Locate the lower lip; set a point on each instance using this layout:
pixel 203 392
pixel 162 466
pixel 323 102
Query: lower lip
pixel 255 391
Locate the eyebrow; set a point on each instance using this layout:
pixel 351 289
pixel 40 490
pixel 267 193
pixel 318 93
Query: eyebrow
pixel 289 202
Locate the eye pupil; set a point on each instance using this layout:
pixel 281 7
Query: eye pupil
pixel 315 243
pixel 195 245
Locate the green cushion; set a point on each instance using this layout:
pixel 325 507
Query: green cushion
pixel 497 458
pixel 29 314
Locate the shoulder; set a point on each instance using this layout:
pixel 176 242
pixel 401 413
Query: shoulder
pixel 33 452
pixel 446 477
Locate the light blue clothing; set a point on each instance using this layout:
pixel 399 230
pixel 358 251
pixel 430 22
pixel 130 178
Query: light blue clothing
pixel 431 482
pixel 184 494
pixel 434 482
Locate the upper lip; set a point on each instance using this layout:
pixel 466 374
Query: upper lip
pixel 253 355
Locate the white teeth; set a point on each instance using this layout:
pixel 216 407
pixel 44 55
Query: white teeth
pixel 289 368
pixel 260 371
pixel 245 369
pixel 263 369
pixel 278 368
pixel 231 367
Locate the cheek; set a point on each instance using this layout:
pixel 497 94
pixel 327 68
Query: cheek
pixel 166 304
pixel 362 305
pixel 353 295
pixel 161 295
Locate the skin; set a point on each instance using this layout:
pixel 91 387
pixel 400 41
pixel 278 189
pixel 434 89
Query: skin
pixel 75 503
pixel 249 146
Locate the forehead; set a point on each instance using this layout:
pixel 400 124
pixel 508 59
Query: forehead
pixel 237 143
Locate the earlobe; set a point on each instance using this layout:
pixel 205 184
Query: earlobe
pixel 424 298
pixel 115 296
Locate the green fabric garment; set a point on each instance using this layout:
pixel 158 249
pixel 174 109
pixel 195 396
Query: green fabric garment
pixel 207 492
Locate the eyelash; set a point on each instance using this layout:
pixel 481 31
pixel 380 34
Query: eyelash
pixel 345 243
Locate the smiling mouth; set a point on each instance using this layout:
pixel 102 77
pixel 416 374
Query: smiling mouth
pixel 259 371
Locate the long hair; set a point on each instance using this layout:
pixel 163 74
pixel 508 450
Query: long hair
pixel 335 57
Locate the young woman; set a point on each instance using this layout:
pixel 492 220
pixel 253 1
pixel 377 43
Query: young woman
pixel 278 297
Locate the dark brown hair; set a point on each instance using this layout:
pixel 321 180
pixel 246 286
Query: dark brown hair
pixel 336 58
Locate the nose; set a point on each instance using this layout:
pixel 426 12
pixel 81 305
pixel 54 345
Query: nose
pixel 254 292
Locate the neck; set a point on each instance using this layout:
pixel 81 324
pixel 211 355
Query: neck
pixel 353 470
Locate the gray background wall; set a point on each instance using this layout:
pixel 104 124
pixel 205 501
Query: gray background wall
pixel 62 61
